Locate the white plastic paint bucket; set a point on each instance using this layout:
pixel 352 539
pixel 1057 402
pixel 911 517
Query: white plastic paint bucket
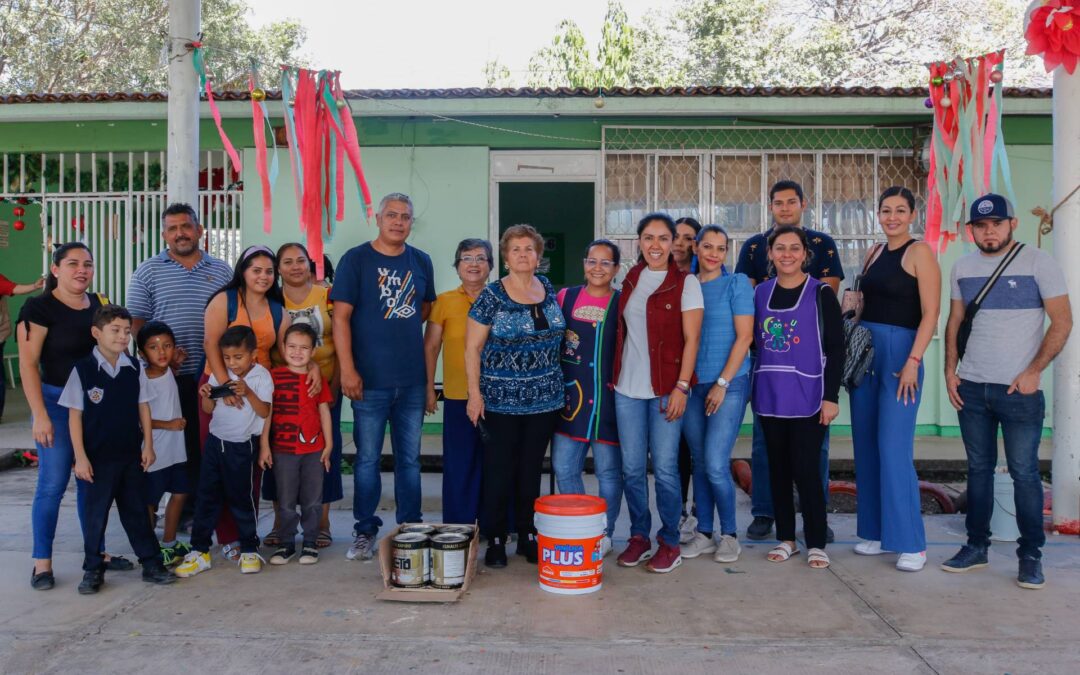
pixel 1003 520
pixel 569 531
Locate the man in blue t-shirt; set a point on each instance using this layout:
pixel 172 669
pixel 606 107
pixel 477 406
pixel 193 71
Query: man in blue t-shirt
pixel 382 294
pixel 786 205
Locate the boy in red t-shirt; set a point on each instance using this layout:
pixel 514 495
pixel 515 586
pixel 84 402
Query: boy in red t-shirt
pixel 297 443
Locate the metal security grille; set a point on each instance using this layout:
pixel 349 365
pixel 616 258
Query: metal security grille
pixel 113 201
pixel 722 175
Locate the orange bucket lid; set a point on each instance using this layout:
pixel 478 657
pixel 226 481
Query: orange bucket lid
pixel 570 505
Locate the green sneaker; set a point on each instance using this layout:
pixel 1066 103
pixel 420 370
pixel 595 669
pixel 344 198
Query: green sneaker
pixel 171 556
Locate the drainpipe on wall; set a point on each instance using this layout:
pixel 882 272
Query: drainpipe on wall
pixel 185 21
pixel 1066 467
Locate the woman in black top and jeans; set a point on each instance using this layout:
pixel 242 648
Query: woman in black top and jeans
pixel 901 296
pixel 53 333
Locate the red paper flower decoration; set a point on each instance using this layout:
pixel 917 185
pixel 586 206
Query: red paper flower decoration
pixel 1053 32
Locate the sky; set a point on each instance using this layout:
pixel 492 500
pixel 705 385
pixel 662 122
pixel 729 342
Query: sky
pixel 390 44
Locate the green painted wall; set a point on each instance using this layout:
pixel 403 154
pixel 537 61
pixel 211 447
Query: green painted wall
pixel 20 261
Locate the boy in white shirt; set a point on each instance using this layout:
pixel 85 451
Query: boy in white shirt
pixel 230 453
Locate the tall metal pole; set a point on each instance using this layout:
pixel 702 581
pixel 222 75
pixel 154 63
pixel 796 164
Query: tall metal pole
pixel 185 21
pixel 1066 466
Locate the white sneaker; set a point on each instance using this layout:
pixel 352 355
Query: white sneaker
pixel 728 550
pixel 869 548
pixel 605 546
pixel 697 545
pixel 911 562
pixel 687 528
pixel 363 548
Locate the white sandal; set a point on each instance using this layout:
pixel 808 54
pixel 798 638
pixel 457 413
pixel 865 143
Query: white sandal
pixel 817 555
pixel 782 552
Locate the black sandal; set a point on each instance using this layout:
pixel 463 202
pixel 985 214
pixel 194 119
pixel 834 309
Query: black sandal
pixel 118 563
pixel 42 581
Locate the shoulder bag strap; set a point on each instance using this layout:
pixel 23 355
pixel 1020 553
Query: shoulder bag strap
pixel 985 290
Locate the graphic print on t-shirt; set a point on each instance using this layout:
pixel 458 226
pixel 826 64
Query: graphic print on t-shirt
pixel 396 294
pixel 295 425
pixel 777 335
pixel 311 316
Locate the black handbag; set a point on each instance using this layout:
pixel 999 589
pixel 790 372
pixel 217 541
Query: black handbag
pixel 972 308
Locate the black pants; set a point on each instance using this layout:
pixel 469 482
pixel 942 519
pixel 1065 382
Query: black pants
pixel 125 484
pixel 686 470
pixel 513 459
pixel 794 449
pixel 188 388
pixel 227 476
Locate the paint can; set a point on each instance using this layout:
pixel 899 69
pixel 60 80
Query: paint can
pixel 466 530
pixel 569 531
pixel 449 558
pixel 412 560
pixel 418 528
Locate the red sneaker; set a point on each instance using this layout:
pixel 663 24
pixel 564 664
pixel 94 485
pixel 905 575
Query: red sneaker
pixel 666 559
pixel 637 551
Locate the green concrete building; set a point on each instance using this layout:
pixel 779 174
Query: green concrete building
pixel 575 163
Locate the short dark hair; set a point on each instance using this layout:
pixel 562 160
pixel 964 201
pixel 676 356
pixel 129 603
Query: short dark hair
pixel 106 314
pixel 181 209
pixel 470 244
pixel 692 222
pixel 238 336
pixel 782 185
pixel 615 253
pixel 303 328
pixel 897 191
pixel 153 329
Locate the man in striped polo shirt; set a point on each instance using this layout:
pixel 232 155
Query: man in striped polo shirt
pixel 174 287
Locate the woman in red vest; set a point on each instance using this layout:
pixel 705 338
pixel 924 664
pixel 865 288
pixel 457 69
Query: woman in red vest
pixel 656 346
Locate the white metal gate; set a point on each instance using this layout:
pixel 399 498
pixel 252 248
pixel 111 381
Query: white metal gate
pixel 124 229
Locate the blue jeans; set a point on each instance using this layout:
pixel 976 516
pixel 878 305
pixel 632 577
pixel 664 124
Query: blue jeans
pixel 643 430
pixel 568 461
pixel 54 472
pixel 403 408
pixel 883 430
pixel 760 489
pixel 1021 418
pixel 711 440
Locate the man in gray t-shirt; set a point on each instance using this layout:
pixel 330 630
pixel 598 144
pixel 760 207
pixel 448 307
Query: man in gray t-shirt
pixel 997 383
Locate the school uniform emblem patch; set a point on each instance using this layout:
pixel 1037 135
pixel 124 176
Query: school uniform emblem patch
pixel 96 394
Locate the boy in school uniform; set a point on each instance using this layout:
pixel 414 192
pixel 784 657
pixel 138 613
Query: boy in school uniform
pixel 157 344
pixel 230 453
pixel 297 443
pixel 106 397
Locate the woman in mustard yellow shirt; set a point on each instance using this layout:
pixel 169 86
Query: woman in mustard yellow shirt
pixel 462 448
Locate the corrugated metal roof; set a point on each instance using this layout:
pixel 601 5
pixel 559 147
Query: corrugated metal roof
pixel 531 92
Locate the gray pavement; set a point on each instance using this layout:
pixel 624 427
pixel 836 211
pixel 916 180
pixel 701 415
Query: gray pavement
pixel 860 616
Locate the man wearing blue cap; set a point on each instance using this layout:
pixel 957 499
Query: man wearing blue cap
pixel 1001 296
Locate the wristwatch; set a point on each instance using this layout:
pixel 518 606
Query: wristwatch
pixel 721 382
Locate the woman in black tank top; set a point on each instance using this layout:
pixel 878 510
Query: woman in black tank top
pixel 901 287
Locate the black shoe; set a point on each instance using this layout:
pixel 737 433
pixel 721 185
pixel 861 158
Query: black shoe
pixel 829 536
pixel 495 556
pixel 119 563
pixel 527 548
pixel 760 529
pixel 157 574
pixel 42 581
pixel 1031 575
pixel 969 558
pixel 92 582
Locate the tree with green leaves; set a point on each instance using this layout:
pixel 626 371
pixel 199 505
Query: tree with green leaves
pixel 54 46
pixel 567 62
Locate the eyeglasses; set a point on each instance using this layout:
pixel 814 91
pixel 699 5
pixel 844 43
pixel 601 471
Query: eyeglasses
pixel 470 259
pixel 593 262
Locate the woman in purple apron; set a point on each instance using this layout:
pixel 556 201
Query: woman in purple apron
pixel 799 338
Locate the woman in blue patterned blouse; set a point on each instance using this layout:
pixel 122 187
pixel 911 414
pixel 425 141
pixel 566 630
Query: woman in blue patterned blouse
pixel 515 386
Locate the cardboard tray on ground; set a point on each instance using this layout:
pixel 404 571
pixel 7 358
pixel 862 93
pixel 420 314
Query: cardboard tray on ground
pixel 426 594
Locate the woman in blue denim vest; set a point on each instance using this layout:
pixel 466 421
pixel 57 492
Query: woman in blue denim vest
pixel 715 409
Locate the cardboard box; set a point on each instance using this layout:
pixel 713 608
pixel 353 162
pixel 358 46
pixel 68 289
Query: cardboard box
pixel 395 594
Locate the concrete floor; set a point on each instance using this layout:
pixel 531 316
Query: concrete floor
pixel 860 616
